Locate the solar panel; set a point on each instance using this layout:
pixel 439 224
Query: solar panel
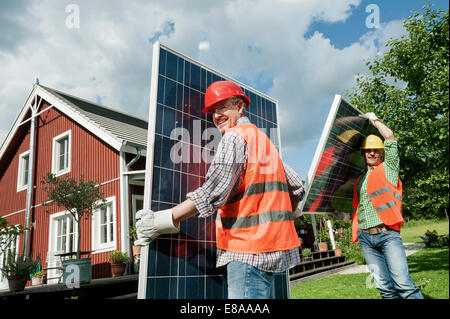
pixel 337 161
pixel 181 144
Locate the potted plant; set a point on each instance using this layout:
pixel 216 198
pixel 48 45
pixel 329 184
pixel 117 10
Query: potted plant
pixel 306 253
pixel 323 240
pixel 80 198
pixel 38 278
pixel 430 238
pixel 17 270
pixel 338 249
pixel 118 262
pixel 133 238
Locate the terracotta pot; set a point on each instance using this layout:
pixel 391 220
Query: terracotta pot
pixel 338 252
pixel 17 283
pixel 136 251
pixel 323 246
pixel 118 269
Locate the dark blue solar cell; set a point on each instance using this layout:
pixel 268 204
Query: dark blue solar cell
pixel 165 186
pixel 180 70
pixel 162 62
pixel 169 121
pixel 161 86
pixel 187 73
pixel 195 77
pixel 170 93
pixel 155 185
pixel 171 66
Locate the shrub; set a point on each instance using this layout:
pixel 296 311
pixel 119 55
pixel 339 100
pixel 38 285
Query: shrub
pixel 118 257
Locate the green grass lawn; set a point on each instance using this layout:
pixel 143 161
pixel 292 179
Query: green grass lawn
pixel 428 268
pixel 412 230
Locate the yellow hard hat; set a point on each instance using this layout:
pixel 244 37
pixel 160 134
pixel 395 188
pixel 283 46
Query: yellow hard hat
pixel 372 142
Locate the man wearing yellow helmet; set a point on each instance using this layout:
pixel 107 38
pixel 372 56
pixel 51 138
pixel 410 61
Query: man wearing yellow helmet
pixel 377 218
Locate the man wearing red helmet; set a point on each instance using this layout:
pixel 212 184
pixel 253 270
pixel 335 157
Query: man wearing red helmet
pixel 254 194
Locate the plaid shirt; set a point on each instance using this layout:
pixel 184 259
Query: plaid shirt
pixel 223 180
pixel 367 216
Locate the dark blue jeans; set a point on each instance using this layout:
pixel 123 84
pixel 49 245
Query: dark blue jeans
pixel 386 260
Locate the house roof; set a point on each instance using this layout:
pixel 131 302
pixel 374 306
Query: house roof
pixel 122 126
pixel 120 130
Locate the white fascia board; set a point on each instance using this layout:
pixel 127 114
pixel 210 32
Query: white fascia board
pixel 17 122
pixel 79 118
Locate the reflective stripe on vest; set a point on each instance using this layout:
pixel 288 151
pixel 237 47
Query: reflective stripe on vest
pixel 255 220
pixel 260 188
pixel 385 190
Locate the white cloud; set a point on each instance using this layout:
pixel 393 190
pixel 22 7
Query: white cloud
pixel 260 42
pixel 204 46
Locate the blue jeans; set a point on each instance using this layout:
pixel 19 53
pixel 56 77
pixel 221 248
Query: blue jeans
pixel 247 282
pixel 386 260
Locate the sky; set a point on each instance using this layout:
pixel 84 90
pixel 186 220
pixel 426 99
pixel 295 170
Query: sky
pixel 300 52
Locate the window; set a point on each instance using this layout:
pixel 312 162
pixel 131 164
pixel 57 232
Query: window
pixel 11 246
pixel 137 205
pixel 61 153
pixel 22 178
pixel 63 239
pixel 104 227
pixel 63 233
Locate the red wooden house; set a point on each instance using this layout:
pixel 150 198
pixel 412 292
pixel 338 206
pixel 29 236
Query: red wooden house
pixel 72 136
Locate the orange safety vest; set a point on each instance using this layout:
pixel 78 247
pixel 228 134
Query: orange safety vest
pixel 385 197
pixel 259 217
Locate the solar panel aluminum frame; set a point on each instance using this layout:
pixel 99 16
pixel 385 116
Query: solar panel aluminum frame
pixel 320 148
pixel 143 267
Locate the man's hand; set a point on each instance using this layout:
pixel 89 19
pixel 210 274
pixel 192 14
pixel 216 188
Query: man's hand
pixel 370 116
pixel 150 225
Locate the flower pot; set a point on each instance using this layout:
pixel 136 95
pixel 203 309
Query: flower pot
pixel 17 283
pixel 323 246
pixel 36 281
pixel 136 251
pixel 338 252
pixel 118 269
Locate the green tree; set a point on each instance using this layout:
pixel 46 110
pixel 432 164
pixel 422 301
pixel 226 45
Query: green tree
pixel 79 197
pixel 407 87
pixel 8 234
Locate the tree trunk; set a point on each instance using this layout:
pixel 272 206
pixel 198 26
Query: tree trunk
pixel 79 238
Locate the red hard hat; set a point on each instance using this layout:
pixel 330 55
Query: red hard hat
pixel 222 90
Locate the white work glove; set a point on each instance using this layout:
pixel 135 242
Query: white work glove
pixel 370 116
pixel 150 225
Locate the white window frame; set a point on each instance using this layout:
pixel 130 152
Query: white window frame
pixel 55 153
pixel 53 239
pixel 54 261
pixel 3 257
pixel 111 243
pixel 23 171
pixel 134 199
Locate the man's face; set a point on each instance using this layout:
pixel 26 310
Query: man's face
pixel 226 115
pixel 373 157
